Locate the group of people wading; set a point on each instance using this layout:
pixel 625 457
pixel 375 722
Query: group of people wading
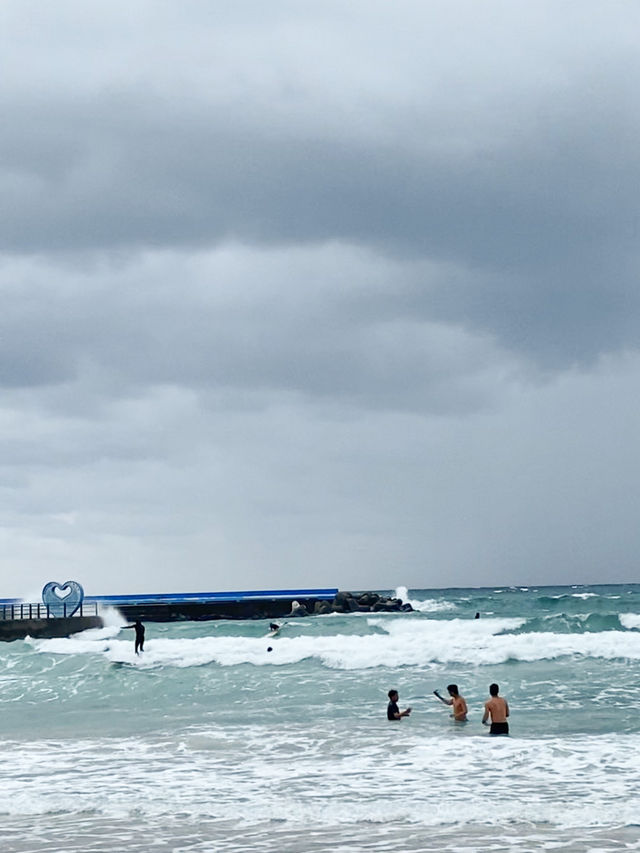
pixel 496 708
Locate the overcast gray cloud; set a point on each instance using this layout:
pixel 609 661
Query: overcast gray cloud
pixel 322 293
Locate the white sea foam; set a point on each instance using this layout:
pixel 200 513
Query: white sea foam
pixel 428 605
pixel 399 641
pixel 630 620
pixel 568 782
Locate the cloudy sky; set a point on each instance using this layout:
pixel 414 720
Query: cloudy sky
pixel 327 293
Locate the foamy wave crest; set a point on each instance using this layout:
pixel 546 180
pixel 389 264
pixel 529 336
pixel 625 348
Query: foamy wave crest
pixel 562 623
pixel 396 642
pixel 583 595
pixel 428 605
pixel 587 778
pixel 630 620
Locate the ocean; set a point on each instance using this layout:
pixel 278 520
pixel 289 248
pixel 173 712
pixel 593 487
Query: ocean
pixel 208 741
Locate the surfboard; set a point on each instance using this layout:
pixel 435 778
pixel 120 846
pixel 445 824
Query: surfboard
pixel 277 631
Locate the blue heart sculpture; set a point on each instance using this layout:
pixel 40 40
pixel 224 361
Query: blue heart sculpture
pixel 62 599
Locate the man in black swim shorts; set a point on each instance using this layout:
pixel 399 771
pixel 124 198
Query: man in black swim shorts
pixel 498 709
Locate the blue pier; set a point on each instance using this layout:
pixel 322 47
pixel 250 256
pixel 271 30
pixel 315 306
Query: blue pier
pixel 201 606
pixel 206 597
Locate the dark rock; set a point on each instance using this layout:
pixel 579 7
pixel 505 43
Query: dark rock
pixel 389 605
pixel 341 601
pixel 344 602
pixel 367 602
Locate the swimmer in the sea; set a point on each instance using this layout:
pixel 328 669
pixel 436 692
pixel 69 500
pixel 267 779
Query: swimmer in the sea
pixel 393 712
pixel 457 701
pixel 498 709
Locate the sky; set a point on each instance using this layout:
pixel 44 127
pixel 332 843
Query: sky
pixel 318 294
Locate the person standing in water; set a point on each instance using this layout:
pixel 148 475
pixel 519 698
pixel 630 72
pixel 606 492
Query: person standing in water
pixel 393 712
pixel 498 709
pixel 139 643
pixel 459 705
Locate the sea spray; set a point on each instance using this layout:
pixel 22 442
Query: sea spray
pixel 429 605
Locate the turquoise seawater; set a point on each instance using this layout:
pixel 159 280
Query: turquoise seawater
pixel 208 741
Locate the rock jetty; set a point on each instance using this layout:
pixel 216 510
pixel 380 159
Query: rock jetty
pixel 361 602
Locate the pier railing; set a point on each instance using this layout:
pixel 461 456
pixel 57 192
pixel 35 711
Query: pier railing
pixel 20 610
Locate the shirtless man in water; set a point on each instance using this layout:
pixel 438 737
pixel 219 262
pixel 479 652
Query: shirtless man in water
pixel 498 709
pixel 459 705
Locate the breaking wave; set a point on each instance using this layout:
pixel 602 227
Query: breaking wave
pixel 391 642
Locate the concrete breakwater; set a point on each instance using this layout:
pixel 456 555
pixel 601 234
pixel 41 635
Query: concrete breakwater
pixel 46 629
pixel 253 605
pixel 194 607
pixel 206 606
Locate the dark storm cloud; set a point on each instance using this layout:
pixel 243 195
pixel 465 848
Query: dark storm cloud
pixel 528 189
pixel 547 269
pixel 237 321
pixel 138 170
